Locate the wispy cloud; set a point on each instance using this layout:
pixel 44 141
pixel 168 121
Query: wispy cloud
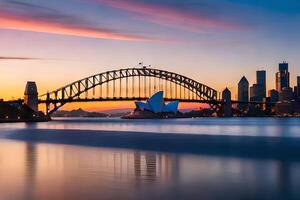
pixel 29 17
pixel 17 58
pixel 170 15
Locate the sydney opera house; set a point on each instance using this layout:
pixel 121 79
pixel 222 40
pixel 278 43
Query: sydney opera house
pixel 154 107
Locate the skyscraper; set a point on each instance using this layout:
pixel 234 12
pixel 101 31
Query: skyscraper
pixel 274 95
pixel 283 77
pixel 243 92
pixel 295 92
pixel 258 90
pixel 298 86
pixel 261 80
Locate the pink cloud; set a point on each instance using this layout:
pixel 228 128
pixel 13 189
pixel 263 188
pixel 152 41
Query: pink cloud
pixel 168 16
pixel 28 23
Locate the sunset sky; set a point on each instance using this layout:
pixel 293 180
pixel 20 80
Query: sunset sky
pixel 215 42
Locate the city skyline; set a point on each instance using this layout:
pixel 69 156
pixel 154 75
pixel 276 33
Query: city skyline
pixel 55 43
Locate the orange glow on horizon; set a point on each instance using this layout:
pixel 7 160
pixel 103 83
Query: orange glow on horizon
pixel 119 105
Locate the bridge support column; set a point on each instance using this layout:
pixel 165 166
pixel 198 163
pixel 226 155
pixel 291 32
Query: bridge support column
pixel 31 96
pixel 47 103
pixel 227 107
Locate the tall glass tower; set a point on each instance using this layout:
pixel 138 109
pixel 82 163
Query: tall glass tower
pixel 243 92
pixel 283 77
pixel 261 80
pixel 298 86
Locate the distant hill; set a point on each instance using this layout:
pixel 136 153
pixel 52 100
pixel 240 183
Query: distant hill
pixel 78 113
pixel 118 111
pixel 128 110
pixel 106 113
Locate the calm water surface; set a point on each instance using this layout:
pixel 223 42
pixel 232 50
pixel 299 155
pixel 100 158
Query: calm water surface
pixel 282 127
pixel 41 171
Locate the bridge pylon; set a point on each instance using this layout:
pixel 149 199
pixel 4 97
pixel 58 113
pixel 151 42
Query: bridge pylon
pixel 227 106
pixel 31 95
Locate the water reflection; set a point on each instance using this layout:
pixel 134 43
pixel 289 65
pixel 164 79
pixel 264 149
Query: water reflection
pixel 46 171
pixel 150 165
pixel 137 164
pixel 283 127
pixel 30 170
pixel 284 178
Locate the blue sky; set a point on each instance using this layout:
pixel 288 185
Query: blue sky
pixel 215 42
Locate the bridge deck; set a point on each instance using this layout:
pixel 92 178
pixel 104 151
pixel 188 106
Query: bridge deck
pixel 42 101
pixel 125 99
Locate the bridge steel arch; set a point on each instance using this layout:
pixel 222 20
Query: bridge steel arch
pixel 72 91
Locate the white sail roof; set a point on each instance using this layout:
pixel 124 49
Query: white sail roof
pixel 156 104
pixel 171 107
pixel 142 105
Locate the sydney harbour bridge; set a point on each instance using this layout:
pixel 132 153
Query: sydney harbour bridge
pixel 128 84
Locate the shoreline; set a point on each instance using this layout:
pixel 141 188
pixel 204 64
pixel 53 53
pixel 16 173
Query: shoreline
pixel 49 120
pixel 24 120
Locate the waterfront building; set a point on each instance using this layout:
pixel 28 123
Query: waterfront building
pixel 295 92
pixel 298 87
pixel 284 108
pixel 288 107
pixel 296 107
pixel 286 94
pixel 274 95
pixel 258 90
pixel 267 106
pixel 156 104
pixel 283 77
pixel 243 92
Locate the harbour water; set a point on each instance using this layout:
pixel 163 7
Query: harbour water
pixel 36 169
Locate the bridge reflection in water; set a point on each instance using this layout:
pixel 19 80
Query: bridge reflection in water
pixel 48 171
